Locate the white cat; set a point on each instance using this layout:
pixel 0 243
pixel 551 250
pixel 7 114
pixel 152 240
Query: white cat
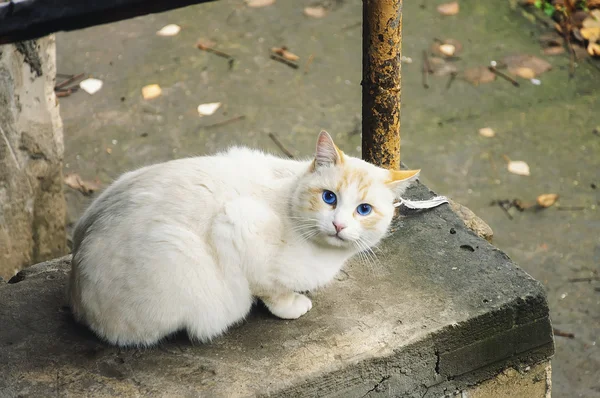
pixel 189 244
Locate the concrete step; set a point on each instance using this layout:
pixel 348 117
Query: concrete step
pixel 440 310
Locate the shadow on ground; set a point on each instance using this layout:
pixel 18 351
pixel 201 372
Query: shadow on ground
pixel 550 126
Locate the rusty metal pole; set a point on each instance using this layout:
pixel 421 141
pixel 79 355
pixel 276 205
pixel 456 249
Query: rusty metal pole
pixel 381 82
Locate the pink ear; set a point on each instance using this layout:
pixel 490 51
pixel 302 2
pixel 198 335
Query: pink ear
pixel 327 153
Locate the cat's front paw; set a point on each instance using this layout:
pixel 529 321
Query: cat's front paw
pixel 288 306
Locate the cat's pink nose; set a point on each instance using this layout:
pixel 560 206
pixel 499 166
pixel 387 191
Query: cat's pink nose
pixel 338 226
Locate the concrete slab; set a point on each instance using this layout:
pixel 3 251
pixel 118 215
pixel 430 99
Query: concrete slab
pixel 442 309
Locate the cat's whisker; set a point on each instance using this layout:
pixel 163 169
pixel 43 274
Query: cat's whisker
pixel 367 253
pixel 361 253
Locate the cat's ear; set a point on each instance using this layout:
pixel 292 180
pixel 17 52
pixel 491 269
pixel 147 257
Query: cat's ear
pixel 327 154
pixel 401 179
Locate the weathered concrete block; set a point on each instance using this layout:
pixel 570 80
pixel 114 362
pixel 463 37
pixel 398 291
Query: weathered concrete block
pixel 32 208
pixel 440 312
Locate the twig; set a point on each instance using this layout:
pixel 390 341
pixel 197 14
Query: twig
pixel 566 32
pixel 280 145
pixel 284 61
pixel 563 334
pixel 227 121
pixel 589 279
pixel 310 60
pixel 426 70
pixel 503 75
pixel 204 47
pixel 65 93
pixel 68 81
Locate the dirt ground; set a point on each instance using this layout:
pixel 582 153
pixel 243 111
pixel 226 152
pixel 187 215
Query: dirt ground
pixel 550 126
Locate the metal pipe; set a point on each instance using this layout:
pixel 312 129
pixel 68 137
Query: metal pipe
pixel 381 82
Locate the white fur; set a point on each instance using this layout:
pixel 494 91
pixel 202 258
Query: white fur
pixel 189 243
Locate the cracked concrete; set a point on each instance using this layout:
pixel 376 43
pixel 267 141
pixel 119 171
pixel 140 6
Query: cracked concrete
pixel 430 317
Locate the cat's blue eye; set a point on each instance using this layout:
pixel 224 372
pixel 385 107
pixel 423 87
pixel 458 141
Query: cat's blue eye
pixel 364 209
pixel 329 197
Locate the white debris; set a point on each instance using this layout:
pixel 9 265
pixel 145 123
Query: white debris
pixel 169 30
pixel 208 109
pixel 91 86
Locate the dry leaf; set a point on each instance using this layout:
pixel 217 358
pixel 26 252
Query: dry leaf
pixel 525 73
pixel 547 199
pixel 555 50
pixel 447 49
pixel 74 181
pixel 151 91
pixel 449 8
pixel 594 49
pixel 285 53
pixel 593 21
pixel 208 109
pixel 487 132
pixel 518 167
pixel 591 34
pixel 537 65
pixel 169 30
pixel 315 12
pixel 259 3
pixel 109 150
pixel 479 75
pixel 91 86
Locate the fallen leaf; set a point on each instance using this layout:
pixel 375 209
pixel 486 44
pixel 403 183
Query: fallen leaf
pixel 169 30
pixel 315 12
pixel 537 65
pixel 285 53
pixel 73 180
pixel 594 49
pixel 479 75
pixel 208 109
pixel 259 3
pixel 593 21
pixel 554 50
pixel 91 86
pixel 487 132
pixel 151 91
pixel 109 150
pixel 525 73
pixel 518 167
pixel 447 49
pixel 591 34
pixel 547 199
pixel 449 8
